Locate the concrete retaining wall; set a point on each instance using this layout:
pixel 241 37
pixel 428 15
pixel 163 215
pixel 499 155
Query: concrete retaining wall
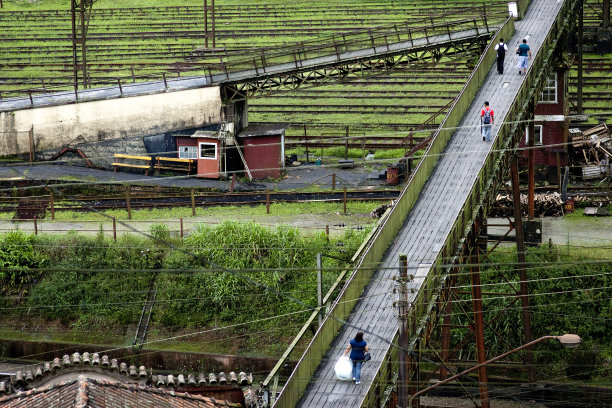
pixel 68 125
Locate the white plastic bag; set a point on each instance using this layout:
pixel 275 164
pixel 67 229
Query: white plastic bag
pixel 344 368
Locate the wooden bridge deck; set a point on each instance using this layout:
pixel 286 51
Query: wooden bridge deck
pixel 430 220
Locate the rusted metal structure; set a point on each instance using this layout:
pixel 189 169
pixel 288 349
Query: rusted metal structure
pixel 80 11
pixel 209 34
pixel 353 55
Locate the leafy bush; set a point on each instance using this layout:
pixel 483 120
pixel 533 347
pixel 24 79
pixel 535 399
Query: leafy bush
pixel 231 272
pixel 18 260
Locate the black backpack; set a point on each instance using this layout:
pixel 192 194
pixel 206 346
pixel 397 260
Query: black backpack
pixel 501 50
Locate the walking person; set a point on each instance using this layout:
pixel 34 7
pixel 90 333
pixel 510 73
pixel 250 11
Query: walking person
pixel 487 118
pixel 358 347
pixel 501 49
pixel 524 53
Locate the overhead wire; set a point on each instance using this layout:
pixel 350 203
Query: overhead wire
pixel 370 333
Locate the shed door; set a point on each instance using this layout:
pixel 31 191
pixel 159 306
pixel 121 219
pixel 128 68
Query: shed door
pixel 208 159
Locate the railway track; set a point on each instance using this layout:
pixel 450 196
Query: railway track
pixel 149 201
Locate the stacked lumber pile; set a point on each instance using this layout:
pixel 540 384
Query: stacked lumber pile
pixel 547 204
pixel 593 151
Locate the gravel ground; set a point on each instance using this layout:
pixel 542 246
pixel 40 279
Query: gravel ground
pixel 297 177
pixel 584 231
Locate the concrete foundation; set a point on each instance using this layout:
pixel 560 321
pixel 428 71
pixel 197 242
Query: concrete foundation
pixel 124 118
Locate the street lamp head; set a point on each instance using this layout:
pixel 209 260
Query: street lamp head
pixel 569 340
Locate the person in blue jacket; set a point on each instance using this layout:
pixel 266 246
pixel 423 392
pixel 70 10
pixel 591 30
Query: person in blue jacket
pixel 358 347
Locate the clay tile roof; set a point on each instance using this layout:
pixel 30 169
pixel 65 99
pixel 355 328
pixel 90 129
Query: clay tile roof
pixel 39 375
pixel 90 393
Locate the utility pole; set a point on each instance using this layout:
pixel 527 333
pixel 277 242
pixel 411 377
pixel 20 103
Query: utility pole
pixel 403 306
pixel 520 251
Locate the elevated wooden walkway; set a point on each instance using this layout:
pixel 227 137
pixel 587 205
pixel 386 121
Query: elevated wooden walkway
pixel 445 198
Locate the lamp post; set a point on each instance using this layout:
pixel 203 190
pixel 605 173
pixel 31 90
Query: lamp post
pixel 567 340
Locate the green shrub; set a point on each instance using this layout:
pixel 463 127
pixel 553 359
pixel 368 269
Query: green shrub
pixel 18 260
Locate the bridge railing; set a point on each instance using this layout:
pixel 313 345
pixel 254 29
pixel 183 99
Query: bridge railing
pixel 380 241
pixel 379 40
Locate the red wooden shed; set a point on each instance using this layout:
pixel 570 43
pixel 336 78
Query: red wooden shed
pixel 264 150
pixel 207 148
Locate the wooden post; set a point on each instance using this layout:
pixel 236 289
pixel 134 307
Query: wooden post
pixel 35 226
pixel 181 228
pixel 346 144
pixel 559 172
pixel 320 286
pixel 363 153
pixel 193 210
pixel 233 183
pixel 52 205
pixel 31 140
pixel 327 232
pixel 344 199
pixel 114 229
pixel 128 201
pixel 267 201
pixel 306 143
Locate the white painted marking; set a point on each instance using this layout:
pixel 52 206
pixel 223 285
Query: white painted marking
pixel 423 269
pixel 506 84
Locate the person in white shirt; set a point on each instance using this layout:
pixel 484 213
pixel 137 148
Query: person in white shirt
pixel 501 49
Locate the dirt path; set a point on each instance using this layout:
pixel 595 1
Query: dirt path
pixel 584 231
pixel 309 223
pixel 561 231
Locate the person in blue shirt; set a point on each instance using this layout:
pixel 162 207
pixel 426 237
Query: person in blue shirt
pixel 524 53
pixel 358 347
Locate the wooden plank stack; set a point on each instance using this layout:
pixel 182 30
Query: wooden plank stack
pixel 545 204
pixel 593 150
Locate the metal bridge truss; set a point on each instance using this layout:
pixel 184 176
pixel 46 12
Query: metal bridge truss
pixel 264 83
pixel 349 70
pixel 500 166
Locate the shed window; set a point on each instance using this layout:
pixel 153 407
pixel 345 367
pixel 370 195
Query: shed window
pixel 208 151
pixel 549 94
pixel 538 135
pixel 188 152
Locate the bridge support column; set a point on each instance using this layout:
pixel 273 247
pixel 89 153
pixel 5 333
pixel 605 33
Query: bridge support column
pixel 531 162
pixel 446 327
pixel 478 318
pixel 520 250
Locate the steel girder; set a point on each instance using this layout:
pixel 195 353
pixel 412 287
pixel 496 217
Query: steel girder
pixel 341 70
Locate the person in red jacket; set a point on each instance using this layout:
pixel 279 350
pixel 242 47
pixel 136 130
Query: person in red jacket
pixel 486 120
